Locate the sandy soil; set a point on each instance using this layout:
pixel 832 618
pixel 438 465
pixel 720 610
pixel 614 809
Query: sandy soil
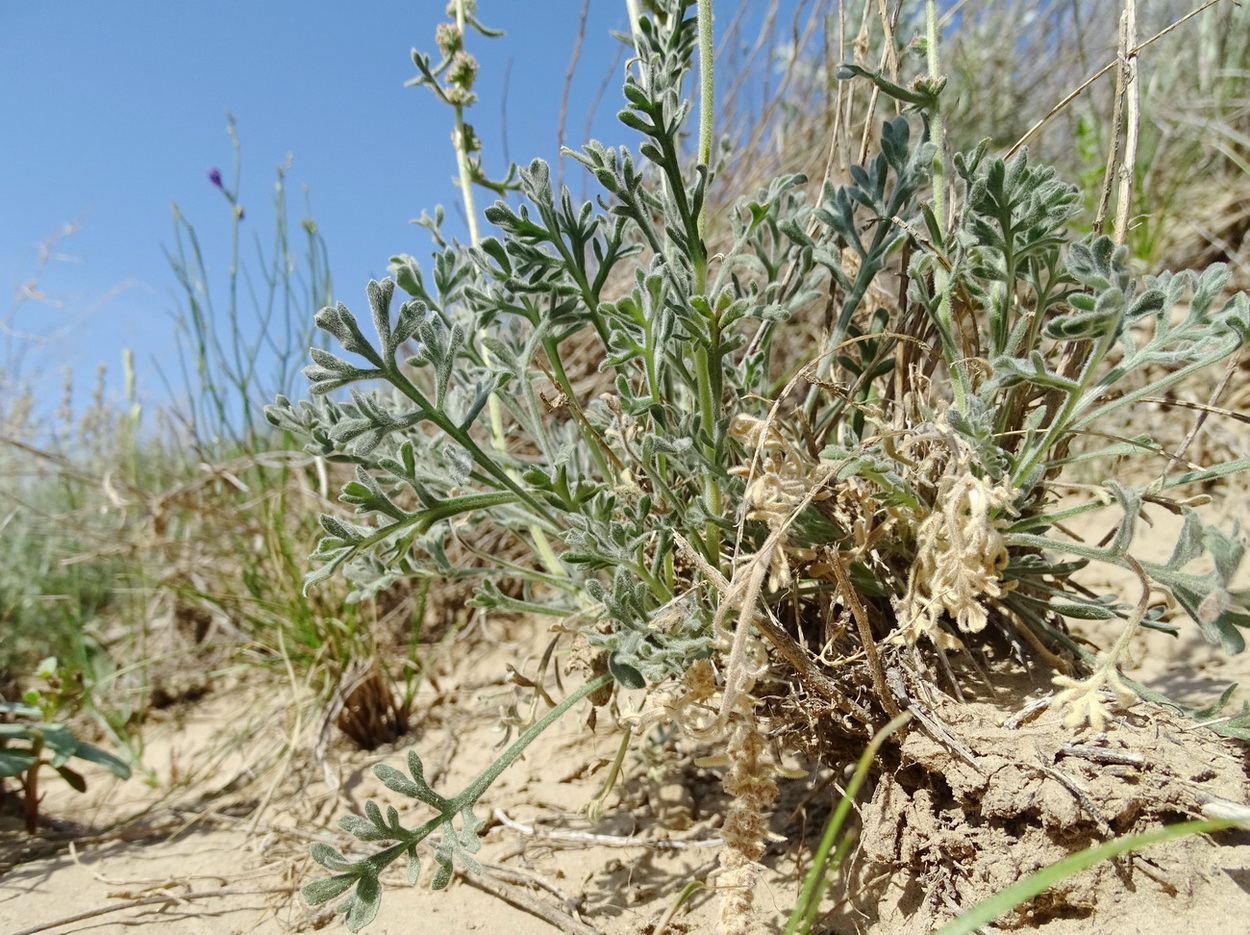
pixel 214 839
pixel 223 851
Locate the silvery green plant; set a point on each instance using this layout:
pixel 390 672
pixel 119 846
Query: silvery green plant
pixel 1009 345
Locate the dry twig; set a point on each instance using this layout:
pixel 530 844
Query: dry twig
pixel 601 840
pixel 515 896
pixel 169 899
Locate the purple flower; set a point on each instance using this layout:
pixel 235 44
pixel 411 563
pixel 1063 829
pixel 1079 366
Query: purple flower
pixel 214 176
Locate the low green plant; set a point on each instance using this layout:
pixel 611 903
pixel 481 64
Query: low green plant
pixel 33 734
pixel 704 491
pixel 455 845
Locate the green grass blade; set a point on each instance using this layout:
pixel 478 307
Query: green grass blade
pixel 804 913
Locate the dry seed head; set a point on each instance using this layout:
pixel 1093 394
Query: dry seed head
pixel 752 434
pixel 785 482
pixel 778 483
pixel 960 556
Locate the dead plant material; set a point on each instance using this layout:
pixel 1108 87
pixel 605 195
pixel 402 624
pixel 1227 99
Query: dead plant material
pixel 754 790
pixel 515 896
pixel 1216 232
pixel 940 835
pixel 171 899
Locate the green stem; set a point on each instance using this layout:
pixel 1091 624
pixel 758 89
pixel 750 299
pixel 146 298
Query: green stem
pixel 594 811
pixel 707 94
pixel 1071 408
pixel 565 386
pixel 705 359
pixel 709 404
pixel 478 787
pixel 461 144
pixel 804 913
pixel 941 276
pixel 465 441
pixel 450 808
pixel 541 546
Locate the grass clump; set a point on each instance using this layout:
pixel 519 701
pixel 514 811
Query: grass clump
pixel 157 555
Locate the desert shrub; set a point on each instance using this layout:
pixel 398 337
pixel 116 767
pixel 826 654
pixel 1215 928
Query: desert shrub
pixel 845 518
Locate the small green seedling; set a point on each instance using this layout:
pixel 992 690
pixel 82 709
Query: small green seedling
pixel 30 737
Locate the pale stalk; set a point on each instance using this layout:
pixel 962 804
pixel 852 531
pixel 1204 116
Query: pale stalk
pixel 1132 120
pixel 541 543
pixel 708 401
pixel 707 93
pixel 941 277
pixel 631 6
pixel 462 151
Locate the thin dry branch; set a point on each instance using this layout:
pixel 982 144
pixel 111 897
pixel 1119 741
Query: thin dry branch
pixel 1131 96
pixel 515 896
pixel 591 839
pixel 170 899
pixel 1063 104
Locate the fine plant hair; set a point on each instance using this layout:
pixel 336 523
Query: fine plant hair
pixel 842 519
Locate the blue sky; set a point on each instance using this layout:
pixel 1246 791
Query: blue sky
pixel 115 110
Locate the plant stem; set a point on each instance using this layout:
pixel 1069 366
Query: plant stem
pixel 401 382
pixel 542 547
pixel 462 151
pixel 1077 400
pixel 707 94
pixel 804 913
pixel 478 787
pixel 941 277
pixel 635 14
pixel 708 381
pixel 30 785
pixel 709 404
pixel 594 811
